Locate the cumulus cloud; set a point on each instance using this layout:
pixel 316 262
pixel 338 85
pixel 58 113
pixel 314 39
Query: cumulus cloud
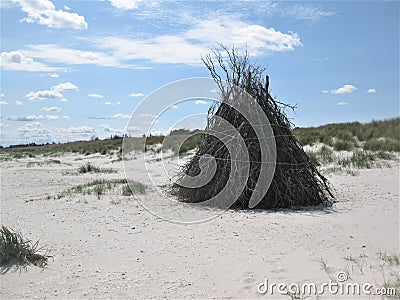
pixel 342 103
pixel 325 91
pixel 109 129
pixel 54 75
pixel 115 116
pixel 346 89
pixel 17 61
pixel 371 91
pixel 36 117
pixel 83 130
pixel 58 54
pixel 189 46
pixel 51 109
pixel 67 86
pixel 121 116
pixel 44 12
pixel 136 95
pixel 125 4
pixel 95 96
pixel 201 102
pixel 55 92
pixel 18 102
pixel 34 130
pixel 3 102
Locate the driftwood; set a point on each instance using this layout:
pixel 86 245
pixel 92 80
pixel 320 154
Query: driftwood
pixel 296 181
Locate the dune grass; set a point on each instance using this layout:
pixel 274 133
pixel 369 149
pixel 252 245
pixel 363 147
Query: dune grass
pixel 14 248
pixel 354 132
pixel 92 168
pixel 100 187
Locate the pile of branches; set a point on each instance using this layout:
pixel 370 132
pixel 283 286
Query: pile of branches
pixel 296 181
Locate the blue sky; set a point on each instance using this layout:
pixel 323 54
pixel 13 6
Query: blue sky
pixel 74 69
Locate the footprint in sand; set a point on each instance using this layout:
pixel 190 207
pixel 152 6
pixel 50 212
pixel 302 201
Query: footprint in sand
pixel 249 279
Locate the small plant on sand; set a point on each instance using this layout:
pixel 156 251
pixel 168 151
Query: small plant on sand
pixel 91 168
pixel 359 159
pixel 133 187
pixel 101 187
pixel 15 248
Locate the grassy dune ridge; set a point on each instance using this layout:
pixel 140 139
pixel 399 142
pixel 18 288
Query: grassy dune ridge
pixel 375 136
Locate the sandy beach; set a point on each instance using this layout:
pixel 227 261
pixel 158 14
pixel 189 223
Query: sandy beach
pixel 113 248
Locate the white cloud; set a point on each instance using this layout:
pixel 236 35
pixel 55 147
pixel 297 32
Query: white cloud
pixel 36 117
pixel 58 54
pixel 342 103
pixel 67 86
pixel 44 12
pixel 55 92
pixel 18 102
pixel 121 116
pixel 1 95
pixel 3 102
pixel 95 95
pixel 107 128
pixel 188 47
pixel 82 130
pixel 201 102
pixel 67 7
pixel 147 116
pixel 51 109
pixel 54 75
pixel 17 61
pixel 325 91
pixel 34 130
pixel 306 12
pixel 136 95
pixel 115 116
pixel 346 89
pixel 125 4
pixel 112 103
pixel 371 91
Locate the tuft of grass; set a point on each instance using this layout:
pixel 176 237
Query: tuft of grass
pixel 359 159
pixel 91 168
pixel 385 155
pixel 15 248
pixel 101 187
pixel 391 259
pixel 133 187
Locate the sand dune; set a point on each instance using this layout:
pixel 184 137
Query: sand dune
pixel 113 248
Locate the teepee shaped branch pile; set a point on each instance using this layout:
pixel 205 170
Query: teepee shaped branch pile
pixel 296 181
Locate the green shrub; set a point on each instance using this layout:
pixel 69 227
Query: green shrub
pixel 382 144
pixel 341 145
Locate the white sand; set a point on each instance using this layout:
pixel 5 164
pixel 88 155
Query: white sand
pixel 113 248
